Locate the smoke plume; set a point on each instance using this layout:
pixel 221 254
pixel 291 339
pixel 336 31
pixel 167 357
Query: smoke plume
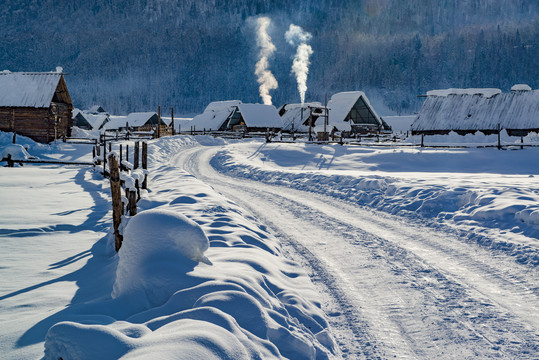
pixel 265 78
pixel 300 66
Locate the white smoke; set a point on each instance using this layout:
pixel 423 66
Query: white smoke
pixel 300 66
pixel 265 78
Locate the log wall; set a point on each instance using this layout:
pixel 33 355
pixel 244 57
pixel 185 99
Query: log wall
pixel 38 123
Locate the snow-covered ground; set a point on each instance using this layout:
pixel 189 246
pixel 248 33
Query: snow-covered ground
pixel 314 251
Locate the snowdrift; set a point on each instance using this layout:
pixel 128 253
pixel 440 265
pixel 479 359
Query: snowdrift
pixel 196 279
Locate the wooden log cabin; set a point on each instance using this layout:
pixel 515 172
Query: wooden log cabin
pixel 36 105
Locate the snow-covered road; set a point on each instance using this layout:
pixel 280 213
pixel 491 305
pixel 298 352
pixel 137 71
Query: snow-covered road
pixel 393 287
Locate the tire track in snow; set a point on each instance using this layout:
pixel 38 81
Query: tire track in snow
pixel 417 302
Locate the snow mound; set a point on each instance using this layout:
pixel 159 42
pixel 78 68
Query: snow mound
pixel 17 152
pixel 158 246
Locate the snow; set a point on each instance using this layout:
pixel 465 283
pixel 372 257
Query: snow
pixel 489 188
pixel 244 249
pixel 157 235
pixel 486 93
pixel 116 122
pixel 515 110
pixel 521 87
pixel 17 152
pixel 260 116
pixel 20 89
pixel 251 302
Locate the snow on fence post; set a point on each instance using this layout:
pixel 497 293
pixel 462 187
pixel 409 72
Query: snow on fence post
pixel 145 164
pixel 117 206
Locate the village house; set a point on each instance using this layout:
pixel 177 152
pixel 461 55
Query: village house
pixel 254 118
pixel 352 112
pixel 215 116
pixel 299 117
pixel 36 105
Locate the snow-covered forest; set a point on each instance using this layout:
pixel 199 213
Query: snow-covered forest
pixel 136 55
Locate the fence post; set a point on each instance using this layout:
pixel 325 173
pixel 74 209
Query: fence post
pixel 132 205
pixel 145 164
pixel 121 158
pixel 172 122
pixel 136 155
pixel 117 207
pixel 422 140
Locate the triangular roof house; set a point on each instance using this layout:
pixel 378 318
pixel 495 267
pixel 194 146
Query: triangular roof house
pixel 352 111
pixel 255 117
pixel 36 105
pixel 292 115
pixel 215 116
pixel 135 120
pixel 487 110
pixel 89 121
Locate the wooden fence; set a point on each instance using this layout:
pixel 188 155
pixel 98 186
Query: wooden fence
pixel 128 204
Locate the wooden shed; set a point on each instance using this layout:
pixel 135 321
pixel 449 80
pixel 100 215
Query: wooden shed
pixel 36 105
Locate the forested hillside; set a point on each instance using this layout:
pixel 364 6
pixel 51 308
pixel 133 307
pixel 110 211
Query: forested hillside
pixel 135 55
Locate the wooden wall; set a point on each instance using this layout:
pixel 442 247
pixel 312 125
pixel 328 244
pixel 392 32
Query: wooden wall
pixel 38 123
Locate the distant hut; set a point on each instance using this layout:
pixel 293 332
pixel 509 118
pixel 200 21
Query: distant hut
pixel 467 111
pixel 352 111
pixel 137 121
pixel 89 121
pixel 80 121
pixel 215 116
pixel 144 121
pixel 255 118
pixel 36 105
pixel 299 117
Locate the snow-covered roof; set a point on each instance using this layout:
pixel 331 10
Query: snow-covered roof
pixel 19 89
pixel 215 114
pixel 96 121
pixel 515 110
pixel 115 122
pixel 292 114
pixel 137 119
pixel 487 93
pixel 340 106
pixel 222 105
pixel 260 116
